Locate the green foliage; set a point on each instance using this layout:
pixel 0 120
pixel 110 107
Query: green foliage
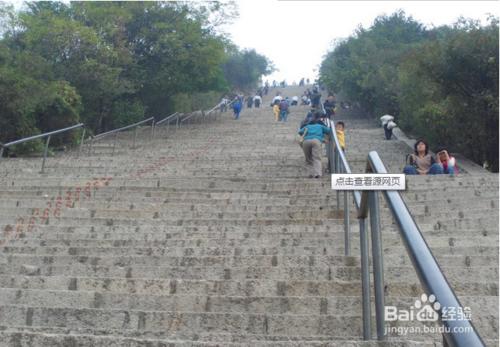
pixel 441 84
pixel 365 65
pixel 244 69
pixel 109 64
pixel 127 112
pixel 192 102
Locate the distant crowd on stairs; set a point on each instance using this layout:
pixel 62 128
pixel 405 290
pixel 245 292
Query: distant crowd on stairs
pixel 315 128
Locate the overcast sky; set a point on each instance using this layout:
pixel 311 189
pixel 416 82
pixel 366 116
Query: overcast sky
pixel 296 34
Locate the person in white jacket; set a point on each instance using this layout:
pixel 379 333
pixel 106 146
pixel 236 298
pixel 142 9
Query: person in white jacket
pixel 257 100
pixel 388 124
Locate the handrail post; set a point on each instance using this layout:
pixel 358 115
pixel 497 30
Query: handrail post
pixel 90 145
pixel 365 279
pixel 328 155
pixel 135 137
pixel 332 158
pixel 347 226
pixel 1 152
pixel 114 143
pixel 337 170
pixel 81 142
pixel 153 129
pixel 378 266
pixel 45 153
pixel 177 123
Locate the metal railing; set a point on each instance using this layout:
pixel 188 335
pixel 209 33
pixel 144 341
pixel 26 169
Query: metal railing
pixel 48 135
pixel 458 333
pixel 179 118
pixel 93 139
pixel 192 116
pixel 167 120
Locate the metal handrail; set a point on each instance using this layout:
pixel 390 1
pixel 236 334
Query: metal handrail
pixel 48 135
pixel 343 160
pixel 179 119
pixel 175 116
pixel 214 108
pixel 116 131
pixel 192 114
pixel 167 118
pixel 458 333
pixel 430 274
pixel 91 139
pixel 34 137
pixel 101 135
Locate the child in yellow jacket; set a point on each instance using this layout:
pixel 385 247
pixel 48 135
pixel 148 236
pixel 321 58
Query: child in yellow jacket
pixel 339 129
pixel 276 111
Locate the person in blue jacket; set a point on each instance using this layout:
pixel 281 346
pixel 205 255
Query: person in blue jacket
pixel 314 134
pixel 237 108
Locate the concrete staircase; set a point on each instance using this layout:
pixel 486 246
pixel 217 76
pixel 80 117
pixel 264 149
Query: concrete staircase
pixel 214 236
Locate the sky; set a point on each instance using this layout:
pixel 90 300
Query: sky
pixel 295 35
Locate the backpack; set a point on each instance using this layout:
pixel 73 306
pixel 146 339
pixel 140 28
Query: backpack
pixel 283 105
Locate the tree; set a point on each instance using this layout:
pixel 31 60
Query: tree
pixel 243 69
pixel 450 90
pixel 441 84
pixel 365 65
pixel 108 64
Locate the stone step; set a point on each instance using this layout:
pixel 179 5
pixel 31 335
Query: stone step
pixel 182 324
pixel 173 239
pixel 289 256
pixel 155 213
pixel 318 272
pixel 162 232
pixel 450 223
pixel 27 206
pixel 121 321
pixel 326 213
pixel 412 183
pixel 29 338
pixel 321 216
pixel 178 201
pixel 238 184
pixel 162 301
pixel 270 239
pixel 333 246
pixel 247 287
pixel 175 261
pixel 233 205
pixel 334 233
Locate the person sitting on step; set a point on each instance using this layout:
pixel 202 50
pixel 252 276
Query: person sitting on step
pixel 448 162
pixel 422 162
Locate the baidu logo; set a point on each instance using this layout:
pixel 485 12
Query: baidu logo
pixel 425 309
